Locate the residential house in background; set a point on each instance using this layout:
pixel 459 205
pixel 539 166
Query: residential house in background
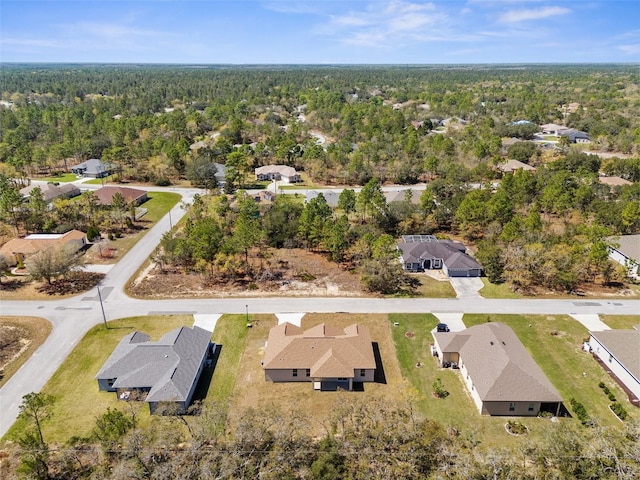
pixel 497 370
pixel 410 194
pixel 511 166
pixel 17 250
pixel 619 352
pixel 52 191
pixel 93 167
pixel 105 195
pixel 575 136
pixel 626 251
pixel 328 357
pixel 614 181
pixel 329 195
pixel 158 372
pixel 426 252
pixel 282 173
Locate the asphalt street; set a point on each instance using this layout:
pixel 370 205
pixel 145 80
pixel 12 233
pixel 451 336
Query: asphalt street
pixel 71 318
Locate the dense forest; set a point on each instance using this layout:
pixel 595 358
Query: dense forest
pixel 364 439
pixel 443 126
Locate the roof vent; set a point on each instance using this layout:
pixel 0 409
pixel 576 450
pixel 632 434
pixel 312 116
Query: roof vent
pixel 491 343
pixel 504 344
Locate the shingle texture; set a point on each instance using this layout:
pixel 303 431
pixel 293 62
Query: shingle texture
pixel 329 352
pixel 499 365
pixel 624 345
pixel 169 367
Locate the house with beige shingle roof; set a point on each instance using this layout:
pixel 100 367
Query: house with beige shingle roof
pixel 105 195
pixel 51 191
pixel 18 249
pixel 283 173
pixel 619 351
pixel 625 250
pixel 329 357
pixel 499 373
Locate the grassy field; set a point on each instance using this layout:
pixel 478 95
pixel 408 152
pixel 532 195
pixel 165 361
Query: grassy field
pixel 457 410
pixel 432 288
pixel 67 177
pixel 555 341
pixel 624 322
pixel 38 330
pixel 494 290
pixel 252 390
pixel 100 181
pixel 78 401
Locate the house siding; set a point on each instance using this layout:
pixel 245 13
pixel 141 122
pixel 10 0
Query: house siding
pixel 521 409
pixel 630 264
pixel 615 366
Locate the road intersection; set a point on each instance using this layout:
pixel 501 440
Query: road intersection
pixel 71 318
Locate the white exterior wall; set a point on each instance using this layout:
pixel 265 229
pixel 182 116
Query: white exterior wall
pixel 468 381
pixel 615 366
pixel 630 265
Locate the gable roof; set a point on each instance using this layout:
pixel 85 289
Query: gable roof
pixel 512 165
pixel 51 191
pixel 624 345
pixel 327 351
pixel 499 365
pixel 169 367
pixel 93 166
pixel 40 241
pixel 614 181
pixel 329 195
pixel 105 195
pixel 628 245
pixel 416 248
pixel 283 170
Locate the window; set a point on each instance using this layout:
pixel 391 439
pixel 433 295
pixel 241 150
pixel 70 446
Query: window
pixel 295 372
pixel 342 379
pixel 111 381
pixel 531 407
pixel 307 372
pixel 512 406
pixel 362 372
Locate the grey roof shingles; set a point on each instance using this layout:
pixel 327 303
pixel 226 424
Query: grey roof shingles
pixel 624 345
pixel 169 366
pixel 499 365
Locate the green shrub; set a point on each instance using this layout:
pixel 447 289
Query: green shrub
pixel 601 385
pixel 619 410
pixel 611 396
pixel 581 412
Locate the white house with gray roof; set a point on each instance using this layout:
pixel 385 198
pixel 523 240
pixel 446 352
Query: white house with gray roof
pixel 499 373
pixel 426 252
pixel 625 250
pixel 619 351
pixel 164 371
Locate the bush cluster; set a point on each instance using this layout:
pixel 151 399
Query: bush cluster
pixel 581 412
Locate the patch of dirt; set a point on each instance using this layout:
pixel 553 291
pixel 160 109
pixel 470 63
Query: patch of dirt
pixel 285 272
pixel 19 338
pixel 79 282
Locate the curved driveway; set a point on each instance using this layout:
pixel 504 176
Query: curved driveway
pixel 71 318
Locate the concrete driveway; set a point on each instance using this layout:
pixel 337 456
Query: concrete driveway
pixel 467 287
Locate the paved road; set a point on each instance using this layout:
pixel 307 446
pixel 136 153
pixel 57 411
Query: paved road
pixel 71 318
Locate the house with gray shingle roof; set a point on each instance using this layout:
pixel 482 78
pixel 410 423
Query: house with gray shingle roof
pixel 499 373
pixel 426 252
pixel 94 167
pixel 164 371
pixel 327 356
pixel 625 250
pixel 619 351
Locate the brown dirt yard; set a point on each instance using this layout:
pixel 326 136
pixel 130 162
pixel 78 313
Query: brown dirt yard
pixel 285 272
pixel 19 338
pixel 252 391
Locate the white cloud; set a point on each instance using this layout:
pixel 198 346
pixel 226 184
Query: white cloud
pixel 514 16
pixel 633 49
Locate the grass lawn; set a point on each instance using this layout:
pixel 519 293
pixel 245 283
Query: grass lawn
pixel 554 342
pixel 457 410
pixel 251 389
pixel 37 331
pixel 432 288
pixel 231 336
pixel 78 400
pixel 495 290
pixel 623 322
pixel 67 177
pixel 100 181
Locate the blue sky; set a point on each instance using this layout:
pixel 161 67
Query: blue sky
pixel 319 31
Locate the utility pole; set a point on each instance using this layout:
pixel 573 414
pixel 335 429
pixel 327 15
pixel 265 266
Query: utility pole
pixel 247 310
pixel 170 222
pixel 104 317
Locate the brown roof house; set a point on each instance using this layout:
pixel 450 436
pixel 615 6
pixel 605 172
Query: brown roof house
pixel 18 249
pixel 164 371
pixel 51 191
pixel 619 351
pixel 329 357
pixel 511 166
pixel 499 373
pixel 105 195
